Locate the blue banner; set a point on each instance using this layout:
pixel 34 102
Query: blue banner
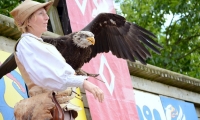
pixel 155 107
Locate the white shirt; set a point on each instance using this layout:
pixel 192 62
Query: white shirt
pixel 45 65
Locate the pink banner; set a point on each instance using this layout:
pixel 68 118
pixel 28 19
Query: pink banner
pixel 81 12
pixel 119 103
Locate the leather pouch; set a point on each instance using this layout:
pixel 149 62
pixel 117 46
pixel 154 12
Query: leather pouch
pixel 43 106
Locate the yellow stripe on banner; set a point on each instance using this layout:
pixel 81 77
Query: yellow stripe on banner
pixel 81 113
pixel 3 55
pixel 1 116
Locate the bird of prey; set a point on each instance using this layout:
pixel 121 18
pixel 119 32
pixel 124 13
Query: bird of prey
pixel 106 32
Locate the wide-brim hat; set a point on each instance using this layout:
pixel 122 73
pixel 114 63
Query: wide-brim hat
pixel 26 8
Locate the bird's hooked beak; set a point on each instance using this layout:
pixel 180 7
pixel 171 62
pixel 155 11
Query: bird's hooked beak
pixel 91 39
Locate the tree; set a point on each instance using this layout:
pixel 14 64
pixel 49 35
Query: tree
pixel 176 23
pixel 7 5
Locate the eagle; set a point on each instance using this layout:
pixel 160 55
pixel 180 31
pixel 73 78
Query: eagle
pixel 107 32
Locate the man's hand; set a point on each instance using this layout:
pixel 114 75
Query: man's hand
pixel 95 90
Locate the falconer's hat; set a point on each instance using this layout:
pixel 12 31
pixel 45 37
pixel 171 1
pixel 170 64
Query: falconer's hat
pixel 26 8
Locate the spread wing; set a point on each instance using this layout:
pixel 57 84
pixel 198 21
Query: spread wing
pixel 112 33
pixel 8 65
pixel 124 39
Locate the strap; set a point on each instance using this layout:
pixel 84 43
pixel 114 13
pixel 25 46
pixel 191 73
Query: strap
pixel 58 113
pixel 15 48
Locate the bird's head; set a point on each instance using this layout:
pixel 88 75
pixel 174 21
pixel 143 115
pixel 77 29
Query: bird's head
pixel 83 39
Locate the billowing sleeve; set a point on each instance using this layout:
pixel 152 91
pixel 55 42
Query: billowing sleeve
pixel 46 66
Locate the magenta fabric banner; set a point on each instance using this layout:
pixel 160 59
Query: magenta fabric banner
pixel 119 103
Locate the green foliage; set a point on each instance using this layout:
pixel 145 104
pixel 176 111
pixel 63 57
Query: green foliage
pixel 7 5
pixel 180 37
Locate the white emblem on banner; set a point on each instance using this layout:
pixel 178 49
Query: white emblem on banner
pixel 103 64
pixel 171 113
pixel 82 6
pixel 100 8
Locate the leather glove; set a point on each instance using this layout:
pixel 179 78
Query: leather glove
pixel 65 96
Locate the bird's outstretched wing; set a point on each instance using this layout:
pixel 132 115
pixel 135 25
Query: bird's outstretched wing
pixel 112 33
pixel 124 39
pixel 8 65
